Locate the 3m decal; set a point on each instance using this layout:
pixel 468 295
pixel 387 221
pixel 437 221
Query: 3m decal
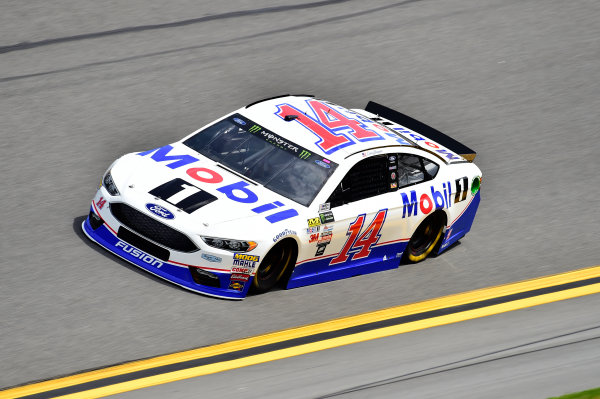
pixel 100 203
pixel 334 126
pixel 239 192
pixel 361 245
pixel 462 186
pixel 183 195
pixel 313 238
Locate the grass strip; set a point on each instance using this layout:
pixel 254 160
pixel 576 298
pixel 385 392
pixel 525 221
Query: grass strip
pixel 589 394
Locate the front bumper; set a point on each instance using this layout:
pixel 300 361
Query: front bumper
pixel 179 274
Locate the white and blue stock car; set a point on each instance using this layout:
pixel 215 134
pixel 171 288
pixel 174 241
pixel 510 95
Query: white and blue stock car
pixel 290 190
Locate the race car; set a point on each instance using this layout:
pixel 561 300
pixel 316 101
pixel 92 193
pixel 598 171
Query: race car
pixel 292 190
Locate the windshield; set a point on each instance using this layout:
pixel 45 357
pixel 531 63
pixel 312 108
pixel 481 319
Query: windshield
pixel 261 155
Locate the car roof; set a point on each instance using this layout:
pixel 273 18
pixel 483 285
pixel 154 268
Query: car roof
pixel 270 114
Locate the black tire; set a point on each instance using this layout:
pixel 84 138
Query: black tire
pixel 281 258
pixel 427 236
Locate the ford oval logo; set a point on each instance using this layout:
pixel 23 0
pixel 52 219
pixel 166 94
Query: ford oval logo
pixel 322 164
pixel 160 211
pixel 239 121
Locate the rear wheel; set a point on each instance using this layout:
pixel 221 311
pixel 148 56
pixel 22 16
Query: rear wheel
pixel 274 265
pixel 426 238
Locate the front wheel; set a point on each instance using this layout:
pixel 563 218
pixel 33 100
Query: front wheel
pixel 273 266
pixel 425 238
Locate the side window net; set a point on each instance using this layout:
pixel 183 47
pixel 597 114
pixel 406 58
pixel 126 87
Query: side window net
pixel 366 179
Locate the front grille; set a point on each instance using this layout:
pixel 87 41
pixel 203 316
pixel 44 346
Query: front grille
pixel 139 242
pixel 151 228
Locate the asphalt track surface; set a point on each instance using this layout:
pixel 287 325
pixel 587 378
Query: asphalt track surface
pixel 84 82
pixel 493 357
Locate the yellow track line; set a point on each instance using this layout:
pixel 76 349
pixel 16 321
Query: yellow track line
pixel 337 324
pixel 331 343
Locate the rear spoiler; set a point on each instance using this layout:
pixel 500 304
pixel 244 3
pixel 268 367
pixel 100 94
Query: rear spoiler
pixel 421 128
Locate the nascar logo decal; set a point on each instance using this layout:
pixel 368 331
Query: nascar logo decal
pixel 238 191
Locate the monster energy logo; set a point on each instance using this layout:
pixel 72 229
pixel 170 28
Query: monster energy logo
pixel 254 129
pixel 304 154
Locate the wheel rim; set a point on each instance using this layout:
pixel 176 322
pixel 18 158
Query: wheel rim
pixel 425 239
pixel 273 267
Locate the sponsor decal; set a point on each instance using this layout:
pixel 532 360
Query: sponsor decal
pixel 239 191
pixel 324 207
pixel 392 168
pixel 326 217
pixel 438 199
pixel 312 230
pixel 399 254
pixel 320 249
pixel 284 233
pixel 241 270
pixel 100 203
pixel 304 154
pixel 393 185
pixel 327 228
pixel 322 164
pixel 237 286
pixel 393 176
pixel 325 238
pixel 358 245
pixel 314 222
pixel 136 253
pixel 313 237
pixel 251 258
pixel 160 211
pixel 240 277
pixel 244 260
pixel 370 153
pixel 423 141
pixel 392 158
pixel 239 121
pixel 211 258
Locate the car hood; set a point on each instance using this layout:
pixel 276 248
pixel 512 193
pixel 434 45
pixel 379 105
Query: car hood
pixel 197 193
